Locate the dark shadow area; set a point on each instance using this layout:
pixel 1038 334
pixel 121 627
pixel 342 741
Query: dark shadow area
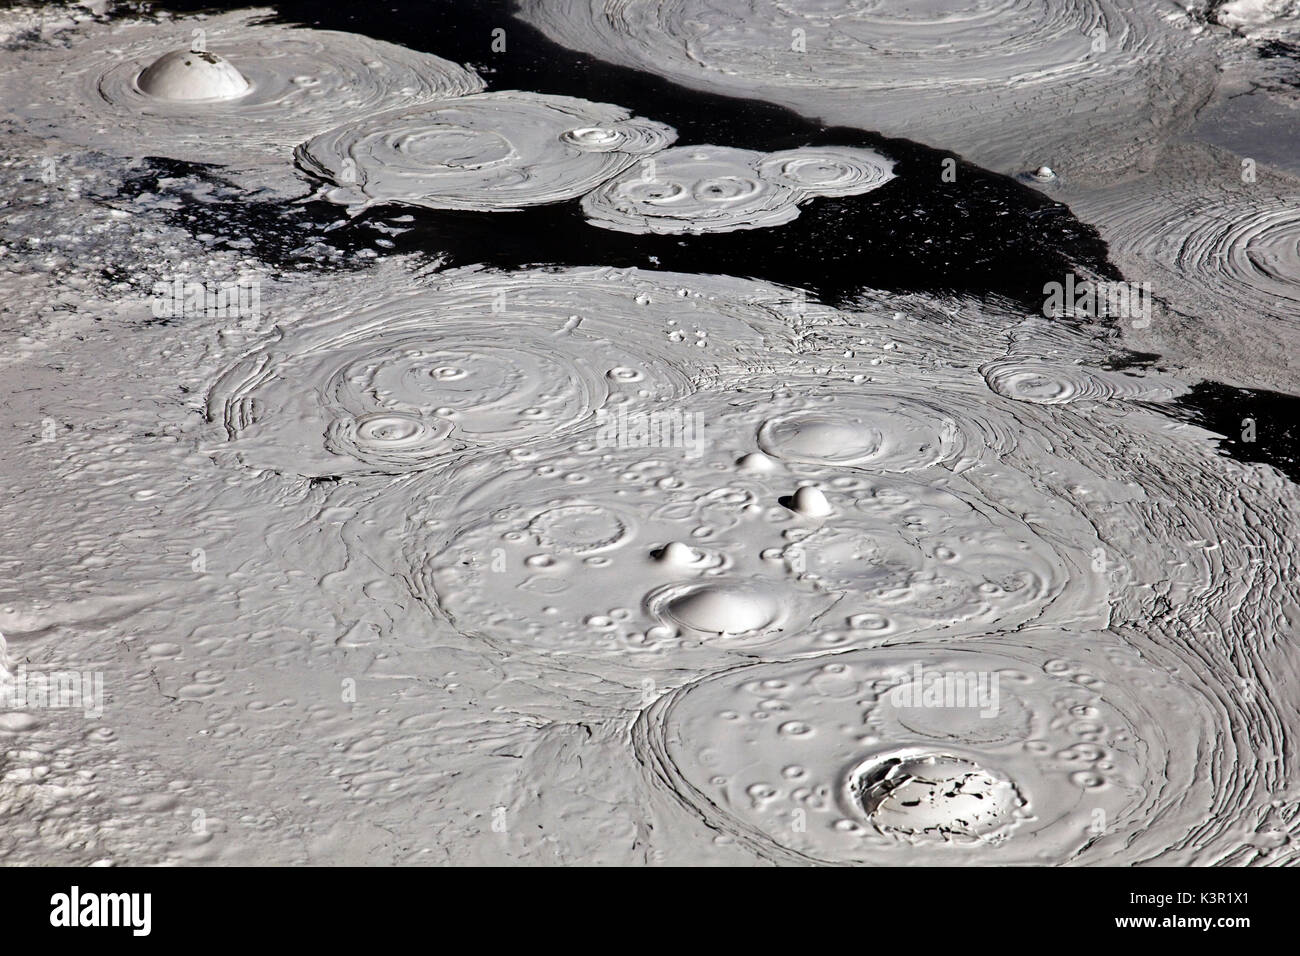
pixel 285 236
pixel 1257 425
pixel 981 233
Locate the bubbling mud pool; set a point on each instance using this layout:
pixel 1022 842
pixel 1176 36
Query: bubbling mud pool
pixel 923 70
pixel 497 151
pixel 250 93
pixel 833 519
pixel 716 571
pixel 1077 749
pixel 418 377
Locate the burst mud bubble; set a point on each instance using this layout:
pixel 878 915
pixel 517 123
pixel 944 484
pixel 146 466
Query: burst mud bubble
pixel 1076 750
pixel 917 795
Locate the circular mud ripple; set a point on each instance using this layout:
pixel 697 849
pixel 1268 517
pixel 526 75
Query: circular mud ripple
pixel 395 440
pixel 476 361
pixel 872 45
pixel 828 170
pixel 1050 747
pixel 672 555
pixel 1231 250
pixel 300 82
pixel 1056 383
pixel 880 429
pixel 498 151
pixel 921 70
pixel 707 189
pixel 1250 253
pixel 627 551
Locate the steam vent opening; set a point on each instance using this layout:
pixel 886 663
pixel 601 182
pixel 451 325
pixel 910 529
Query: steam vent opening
pixel 192 75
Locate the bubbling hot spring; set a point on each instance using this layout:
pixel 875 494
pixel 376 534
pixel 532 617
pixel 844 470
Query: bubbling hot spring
pixel 796 523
